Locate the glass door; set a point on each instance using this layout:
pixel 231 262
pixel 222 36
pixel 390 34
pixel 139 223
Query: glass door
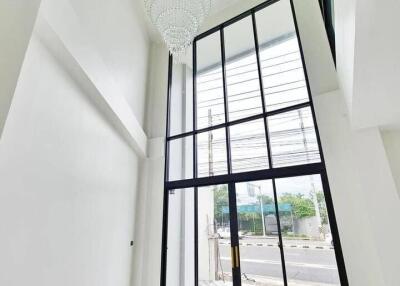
pixel 258 231
pixel 284 233
pixel 266 232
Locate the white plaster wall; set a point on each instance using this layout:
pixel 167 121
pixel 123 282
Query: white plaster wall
pixel 75 36
pixel 68 183
pixel 141 230
pixel 16 24
pixel 147 249
pixel 391 140
pixel 368 62
pixel 118 31
pixel 206 245
pixel 317 54
pixel 382 200
pixel 157 91
pixel 376 64
pixel 175 239
pixel 180 264
pixel 348 190
pixel 345 14
pixel 153 223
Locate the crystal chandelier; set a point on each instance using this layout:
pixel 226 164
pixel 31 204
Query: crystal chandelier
pixel 178 21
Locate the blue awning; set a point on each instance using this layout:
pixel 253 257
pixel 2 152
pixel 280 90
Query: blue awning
pixel 268 208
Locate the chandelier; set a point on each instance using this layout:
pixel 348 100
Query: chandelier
pixel 178 21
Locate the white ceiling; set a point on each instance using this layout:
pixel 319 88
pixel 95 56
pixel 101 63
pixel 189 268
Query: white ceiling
pixel 219 5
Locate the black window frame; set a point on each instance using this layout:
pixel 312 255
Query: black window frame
pixel 231 178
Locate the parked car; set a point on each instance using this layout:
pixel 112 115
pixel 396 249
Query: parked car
pixel 225 232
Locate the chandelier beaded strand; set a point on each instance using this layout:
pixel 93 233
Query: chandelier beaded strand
pixel 178 21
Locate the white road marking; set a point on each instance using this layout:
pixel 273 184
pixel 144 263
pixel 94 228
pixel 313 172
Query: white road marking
pixel 275 262
pixel 301 246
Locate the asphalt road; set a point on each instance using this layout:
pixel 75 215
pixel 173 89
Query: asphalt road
pixel 302 264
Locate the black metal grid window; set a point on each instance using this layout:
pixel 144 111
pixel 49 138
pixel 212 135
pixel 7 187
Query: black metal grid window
pixel 254 110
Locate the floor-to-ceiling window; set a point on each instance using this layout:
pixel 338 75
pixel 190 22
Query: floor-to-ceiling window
pixel 247 199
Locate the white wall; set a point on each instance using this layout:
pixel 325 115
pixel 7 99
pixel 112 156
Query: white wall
pixel 67 29
pixel 16 23
pixel 117 30
pixel 376 64
pixel 348 190
pixel 368 61
pixel 345 13
pixel 391 140
pixel 157 91
pixel 69 172
pixel 147 250
pixel 67 184
pixel 149 212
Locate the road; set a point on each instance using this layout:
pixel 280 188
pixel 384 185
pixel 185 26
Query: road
pixel 306 261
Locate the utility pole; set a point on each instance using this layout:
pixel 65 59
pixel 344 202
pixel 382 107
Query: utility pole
pixel 217 260
pixel 313 190
pixel 262 210
pixel 261 207
pixel 210 146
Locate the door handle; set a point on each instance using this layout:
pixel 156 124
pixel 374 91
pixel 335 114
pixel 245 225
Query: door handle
pixel 235 256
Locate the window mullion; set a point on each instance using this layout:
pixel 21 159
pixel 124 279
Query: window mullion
pixel 194 109
pixel 226 108
pixel 278 223
pixel 164 237
pixel 196 220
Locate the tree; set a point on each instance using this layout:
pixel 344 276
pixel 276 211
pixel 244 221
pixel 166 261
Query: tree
pixel 265 199
pixel 221 200
pixel 302 207
pixel 322 207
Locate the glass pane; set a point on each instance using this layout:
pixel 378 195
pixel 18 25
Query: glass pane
pixel 214 244
pixel 282 69
pixel 209 84
pixel 180 258
pixel 248 146
pixel 180 159
pixel 243 85
pixel 181 105
pixel 211 153
pixel 260 257
pixel 307 239
pixel 293 138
